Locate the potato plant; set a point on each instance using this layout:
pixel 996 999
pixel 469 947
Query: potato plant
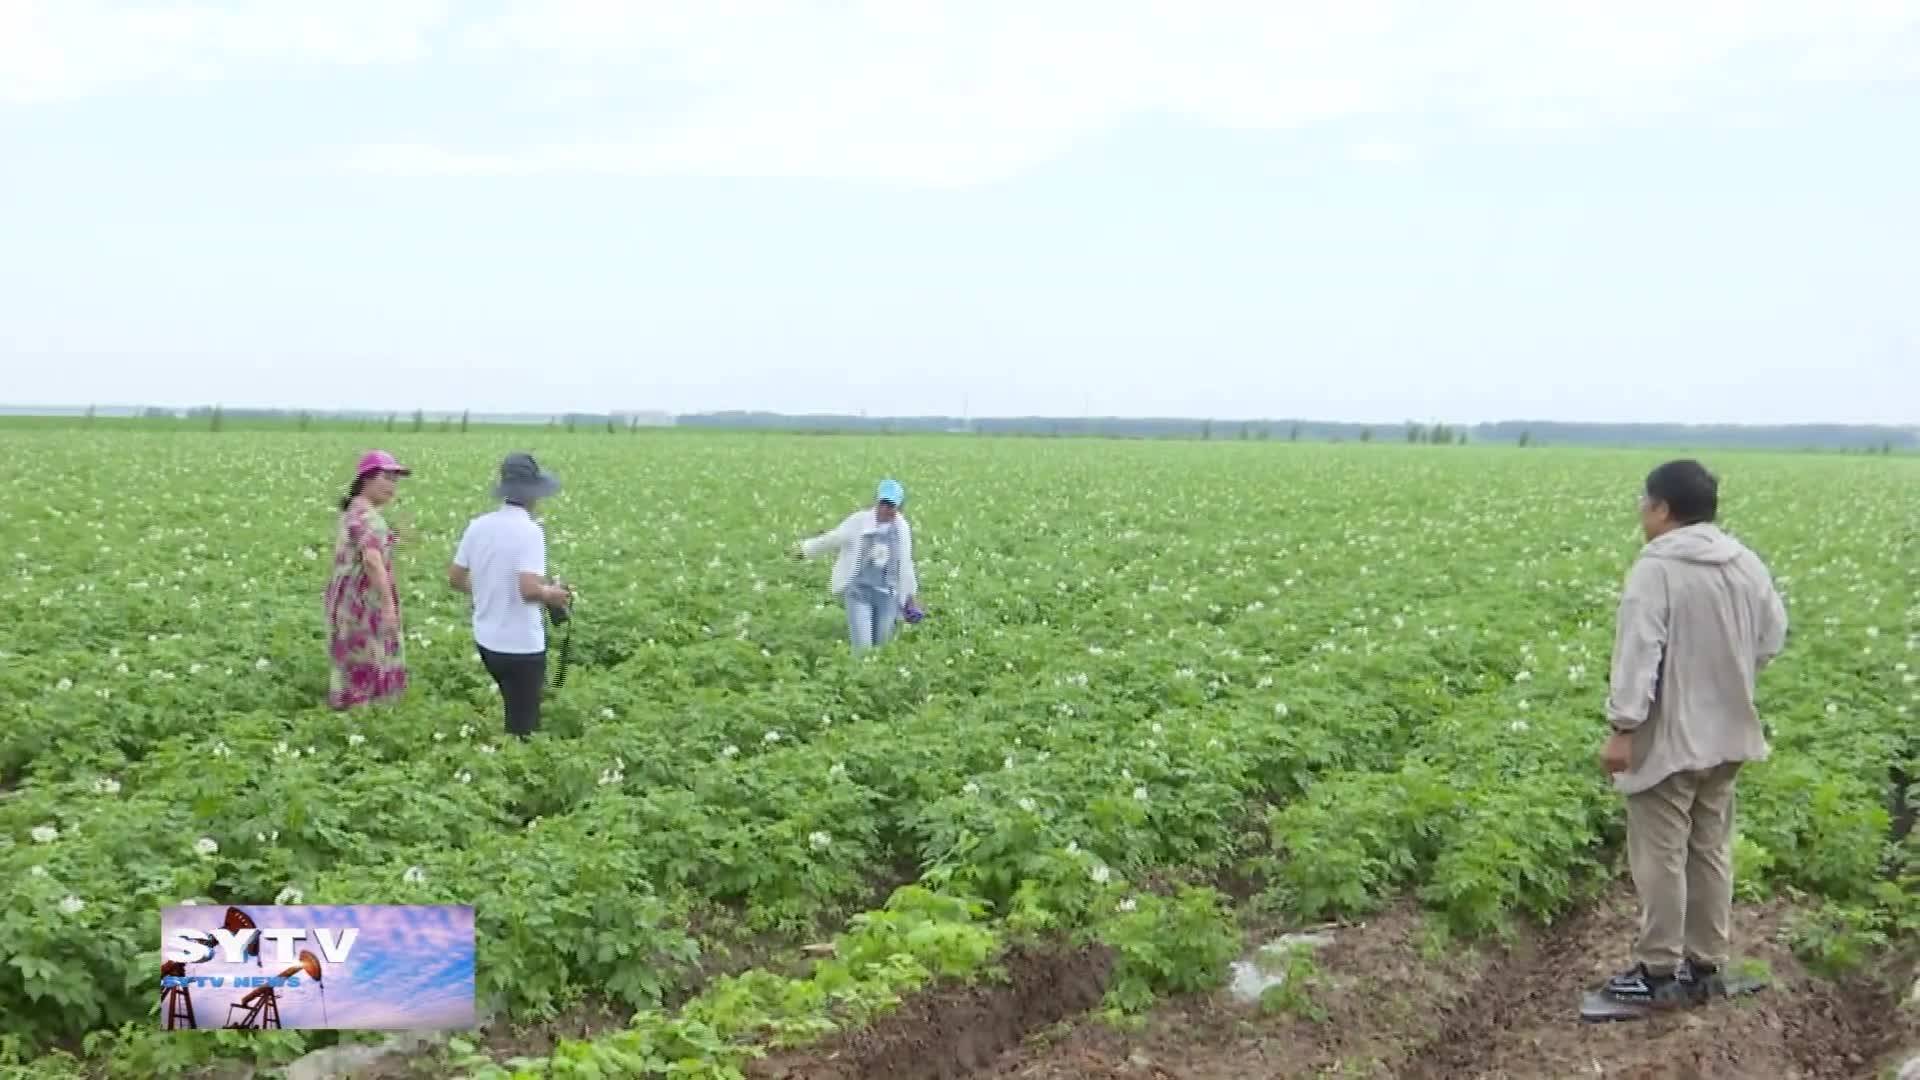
pixel 1350 673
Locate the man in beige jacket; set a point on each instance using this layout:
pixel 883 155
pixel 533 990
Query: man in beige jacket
pixel 1699 618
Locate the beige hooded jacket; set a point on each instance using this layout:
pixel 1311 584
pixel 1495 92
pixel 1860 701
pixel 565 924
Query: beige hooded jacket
pixel 1699 618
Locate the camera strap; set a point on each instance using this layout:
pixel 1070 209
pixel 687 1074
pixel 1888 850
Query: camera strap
pixel 565 658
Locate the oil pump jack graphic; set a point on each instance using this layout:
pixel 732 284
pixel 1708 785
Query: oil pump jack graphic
pixel 176 1001
pixel 260 1009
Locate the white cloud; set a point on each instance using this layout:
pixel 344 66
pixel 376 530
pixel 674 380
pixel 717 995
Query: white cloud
pixel 419 159
pixel 962 93
pixel 57 49
pixel 1383 152
pixel 924 91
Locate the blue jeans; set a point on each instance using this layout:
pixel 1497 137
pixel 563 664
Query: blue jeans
pixel 870 619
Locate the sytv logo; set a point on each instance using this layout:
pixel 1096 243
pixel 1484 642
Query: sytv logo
pixel 190 947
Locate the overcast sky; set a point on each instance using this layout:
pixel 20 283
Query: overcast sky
pixel 1695 210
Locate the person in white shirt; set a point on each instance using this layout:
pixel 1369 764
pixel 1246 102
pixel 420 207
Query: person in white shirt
pixel 502 564
pixel 874 574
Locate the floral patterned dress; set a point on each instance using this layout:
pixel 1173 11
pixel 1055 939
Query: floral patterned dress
pixel 368 654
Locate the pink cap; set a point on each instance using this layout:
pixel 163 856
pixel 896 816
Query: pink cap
pixel 380 461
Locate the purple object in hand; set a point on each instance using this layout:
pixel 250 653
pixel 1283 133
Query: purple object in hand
pixel 914 614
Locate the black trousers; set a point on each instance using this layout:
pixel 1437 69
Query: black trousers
pixel 522 678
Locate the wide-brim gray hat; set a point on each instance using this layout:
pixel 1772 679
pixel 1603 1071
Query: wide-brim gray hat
pixel 521 477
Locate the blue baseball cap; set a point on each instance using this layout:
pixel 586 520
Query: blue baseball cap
pixel 892 492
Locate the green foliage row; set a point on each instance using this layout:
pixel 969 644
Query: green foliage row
pixel 1353 676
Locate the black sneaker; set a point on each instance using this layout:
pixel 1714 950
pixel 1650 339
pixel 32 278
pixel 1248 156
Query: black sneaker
pixel 1703 981
pixel 1638 986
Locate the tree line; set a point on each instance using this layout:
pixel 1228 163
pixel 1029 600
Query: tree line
pixel 1848 437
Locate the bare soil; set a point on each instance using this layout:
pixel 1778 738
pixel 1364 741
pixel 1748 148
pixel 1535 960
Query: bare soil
pixel 1800 1028
pixel 1375 997
pixel 1386 1001
pixel 1387 998
pixel 953 1031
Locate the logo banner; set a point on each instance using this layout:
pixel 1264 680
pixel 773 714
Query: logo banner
pixel 378 967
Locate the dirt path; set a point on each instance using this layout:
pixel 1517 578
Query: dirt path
pixel 1379 1004
pixel 1801 1028
pixel 1375 996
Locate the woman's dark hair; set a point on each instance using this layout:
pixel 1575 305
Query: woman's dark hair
pixel 1692 494
pixel 353 492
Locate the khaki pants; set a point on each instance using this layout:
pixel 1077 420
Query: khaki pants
pixel 1680 846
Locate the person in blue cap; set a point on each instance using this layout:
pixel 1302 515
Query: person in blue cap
pixel 874 573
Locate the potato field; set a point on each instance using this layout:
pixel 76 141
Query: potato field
pixel 1171 700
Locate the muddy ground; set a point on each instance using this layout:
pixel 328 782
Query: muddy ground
pixel 1383 1002
pixel 958 1031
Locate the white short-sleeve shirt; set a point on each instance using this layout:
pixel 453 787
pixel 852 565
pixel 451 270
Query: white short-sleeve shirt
pixel 497 548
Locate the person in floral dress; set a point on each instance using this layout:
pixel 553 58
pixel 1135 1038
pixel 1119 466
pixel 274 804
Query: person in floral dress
pixel 364 639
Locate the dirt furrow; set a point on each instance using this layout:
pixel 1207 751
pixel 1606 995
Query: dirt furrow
pixel 1520 1019
pixel 1382 1003
pixel 1369 1000
pixel 951 1031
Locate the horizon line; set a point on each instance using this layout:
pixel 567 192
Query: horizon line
pixel 439 414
